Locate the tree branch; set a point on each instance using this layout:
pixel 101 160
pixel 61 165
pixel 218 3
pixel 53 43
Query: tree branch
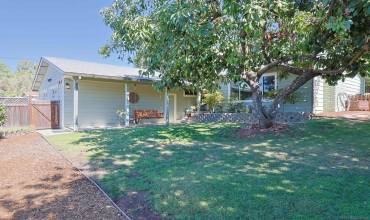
pixel 300 71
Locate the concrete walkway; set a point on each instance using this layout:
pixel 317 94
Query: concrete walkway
pixel 50 132
pixel 38 183
pixel 351 115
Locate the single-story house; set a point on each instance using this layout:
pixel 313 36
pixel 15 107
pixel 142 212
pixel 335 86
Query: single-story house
pixel 90 94
pixel 316 96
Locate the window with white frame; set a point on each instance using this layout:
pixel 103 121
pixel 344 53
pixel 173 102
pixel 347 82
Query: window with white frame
pixel 268 82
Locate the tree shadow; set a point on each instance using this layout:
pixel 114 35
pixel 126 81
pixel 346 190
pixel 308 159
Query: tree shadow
pixel 316 169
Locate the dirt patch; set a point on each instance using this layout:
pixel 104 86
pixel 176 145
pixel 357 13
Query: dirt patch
pixel 136 204
pixel 254 130
pixel 38 183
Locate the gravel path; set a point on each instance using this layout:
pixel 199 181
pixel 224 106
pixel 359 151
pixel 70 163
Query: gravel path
pixel 38 183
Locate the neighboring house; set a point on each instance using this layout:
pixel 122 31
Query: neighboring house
pixel 90 93
pixel 315 96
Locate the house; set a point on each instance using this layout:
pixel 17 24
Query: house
pixel 89 94
pixel 315 96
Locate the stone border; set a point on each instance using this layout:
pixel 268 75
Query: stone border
pixel 248 118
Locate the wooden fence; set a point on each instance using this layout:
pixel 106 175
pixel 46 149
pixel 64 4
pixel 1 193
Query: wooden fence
pixel 23 111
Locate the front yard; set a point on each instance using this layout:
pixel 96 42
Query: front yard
pixel 319 169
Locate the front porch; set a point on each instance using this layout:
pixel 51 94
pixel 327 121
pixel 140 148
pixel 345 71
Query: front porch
pixel 102 103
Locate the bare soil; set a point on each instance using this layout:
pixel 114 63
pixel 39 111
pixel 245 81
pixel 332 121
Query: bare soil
pixel 38 183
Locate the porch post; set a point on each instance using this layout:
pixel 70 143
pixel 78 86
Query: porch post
pixel 199 96
pixel 127 107
pixel 228 94
pixel 165 108
pixel 75 104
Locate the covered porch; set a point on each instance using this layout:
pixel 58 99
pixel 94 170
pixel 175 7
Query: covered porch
pixel 105 103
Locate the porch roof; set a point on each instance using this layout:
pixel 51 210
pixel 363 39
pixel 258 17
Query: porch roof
pixel 88 69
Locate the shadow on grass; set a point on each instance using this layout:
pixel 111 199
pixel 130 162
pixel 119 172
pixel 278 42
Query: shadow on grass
pixel 319 169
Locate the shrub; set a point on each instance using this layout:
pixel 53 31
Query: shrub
pixel 213 99
pixel 2 114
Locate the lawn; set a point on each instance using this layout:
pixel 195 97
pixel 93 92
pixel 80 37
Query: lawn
pixel 319 169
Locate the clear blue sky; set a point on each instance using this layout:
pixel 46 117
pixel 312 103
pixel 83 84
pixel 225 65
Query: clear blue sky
pixel 73 29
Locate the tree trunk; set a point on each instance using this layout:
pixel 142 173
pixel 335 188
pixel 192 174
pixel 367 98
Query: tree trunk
pixel 264 119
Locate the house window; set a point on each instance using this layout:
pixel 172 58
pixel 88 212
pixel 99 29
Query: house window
pixel 133 97
pixel 189 93
pixel 268 83
pixel 239 91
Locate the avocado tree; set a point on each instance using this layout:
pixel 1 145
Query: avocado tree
pixel 202 43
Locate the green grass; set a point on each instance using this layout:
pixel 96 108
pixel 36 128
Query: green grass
pixel 316 170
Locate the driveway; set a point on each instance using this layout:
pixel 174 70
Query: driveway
pixel 36 182
pixel 351 115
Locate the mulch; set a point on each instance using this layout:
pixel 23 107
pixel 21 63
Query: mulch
pixel 36 182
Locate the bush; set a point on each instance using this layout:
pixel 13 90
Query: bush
pixel 232 107
pixel 2 115
pixel 213 99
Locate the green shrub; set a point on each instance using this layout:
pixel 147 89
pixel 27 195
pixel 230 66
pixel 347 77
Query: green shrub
pixel 213 99
pixel 2 114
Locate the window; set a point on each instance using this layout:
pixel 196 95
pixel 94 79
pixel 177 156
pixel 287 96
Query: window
pixel 189 93
pixel 268 83
pixel 133 97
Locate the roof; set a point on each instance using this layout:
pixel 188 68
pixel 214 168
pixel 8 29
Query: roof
pixel 87 69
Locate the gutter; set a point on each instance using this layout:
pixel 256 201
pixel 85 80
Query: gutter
pixel 127 78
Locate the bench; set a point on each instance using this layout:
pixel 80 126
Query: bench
pixel 146 114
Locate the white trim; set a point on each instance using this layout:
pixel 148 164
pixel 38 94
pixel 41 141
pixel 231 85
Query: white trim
pixel 268 74
pixel 228 91
pixel 61 108
pixel 165 106
pixel 174 106
pixel 75 104
pixel 127 105
pixel 199 99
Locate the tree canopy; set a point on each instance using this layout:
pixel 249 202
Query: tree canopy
pixel 204 42
pixel 19 82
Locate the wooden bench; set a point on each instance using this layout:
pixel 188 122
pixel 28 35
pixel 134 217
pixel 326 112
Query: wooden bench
pixel 146 114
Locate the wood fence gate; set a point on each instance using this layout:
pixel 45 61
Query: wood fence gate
pixel 44 114
pixel 40 114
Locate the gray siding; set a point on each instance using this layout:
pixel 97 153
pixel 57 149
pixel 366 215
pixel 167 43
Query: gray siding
pixel 304 94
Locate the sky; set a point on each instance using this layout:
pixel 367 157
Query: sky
pixel 72 29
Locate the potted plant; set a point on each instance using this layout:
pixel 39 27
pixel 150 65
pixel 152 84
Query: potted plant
pixel 189 110
pixel 121 113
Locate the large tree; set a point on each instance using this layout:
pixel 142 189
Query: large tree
pixel 17 83
pixel 204 42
